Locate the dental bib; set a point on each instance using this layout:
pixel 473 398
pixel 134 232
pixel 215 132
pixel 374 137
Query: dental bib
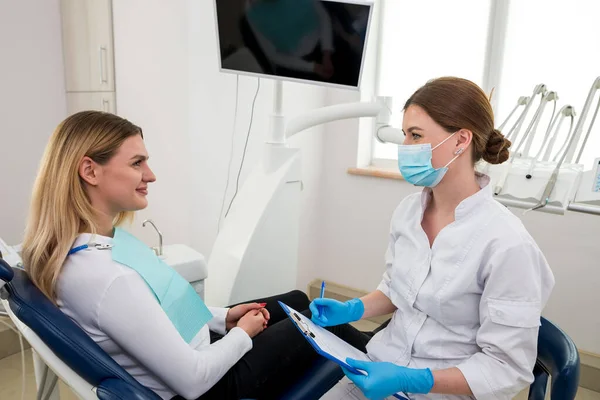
pixel 178 299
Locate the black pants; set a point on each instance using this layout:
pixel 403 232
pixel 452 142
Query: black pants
pixel 279 356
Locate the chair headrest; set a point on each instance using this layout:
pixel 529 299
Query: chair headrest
pixel 63 336
pixel 6 272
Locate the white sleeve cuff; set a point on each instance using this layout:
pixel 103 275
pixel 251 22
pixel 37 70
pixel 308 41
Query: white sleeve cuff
pixel 240 335
pixel 217 324
pixel 481 388
pixel 384 288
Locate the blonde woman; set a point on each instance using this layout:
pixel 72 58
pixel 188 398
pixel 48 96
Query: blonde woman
pixel 93 176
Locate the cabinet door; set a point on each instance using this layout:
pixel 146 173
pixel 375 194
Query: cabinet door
pixel 82 101
pixel 88 45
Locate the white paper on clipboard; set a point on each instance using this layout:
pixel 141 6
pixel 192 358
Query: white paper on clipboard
pixel 329 343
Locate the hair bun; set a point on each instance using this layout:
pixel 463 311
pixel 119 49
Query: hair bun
pixel 496 149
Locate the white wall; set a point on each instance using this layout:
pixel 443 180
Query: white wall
pixel 168 82
pixel 151 55
pixel 32 101
pixel 355 218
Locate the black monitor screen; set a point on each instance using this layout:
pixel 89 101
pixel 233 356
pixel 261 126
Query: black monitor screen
pixel 320 41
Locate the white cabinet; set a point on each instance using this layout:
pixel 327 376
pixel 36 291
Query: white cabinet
pixel 88 45
pixel 88 52
pixel 81 101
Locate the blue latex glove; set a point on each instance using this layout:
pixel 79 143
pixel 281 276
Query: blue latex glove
pixel 384 379
pixel 329 312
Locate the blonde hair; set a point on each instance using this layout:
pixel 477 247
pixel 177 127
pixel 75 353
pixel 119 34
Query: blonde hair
pixel 60 207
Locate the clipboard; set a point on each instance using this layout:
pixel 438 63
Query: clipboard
pixel 313 333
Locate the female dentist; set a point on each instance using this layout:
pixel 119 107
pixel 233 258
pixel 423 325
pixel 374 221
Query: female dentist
pixel 465 281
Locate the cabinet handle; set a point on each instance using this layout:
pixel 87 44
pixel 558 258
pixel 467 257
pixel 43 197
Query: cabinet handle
pixel 105 106
pixel 102 52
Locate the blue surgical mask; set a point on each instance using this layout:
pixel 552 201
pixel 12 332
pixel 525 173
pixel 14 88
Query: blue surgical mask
pixel 414 161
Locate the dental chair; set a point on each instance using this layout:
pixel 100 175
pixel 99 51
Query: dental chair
pixel 62 350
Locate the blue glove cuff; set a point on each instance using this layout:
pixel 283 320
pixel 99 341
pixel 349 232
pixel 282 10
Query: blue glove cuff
pixel 356 309
pixel 423 382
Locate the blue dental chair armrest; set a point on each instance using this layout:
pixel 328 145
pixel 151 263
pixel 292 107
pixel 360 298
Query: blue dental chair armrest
pixel 117 389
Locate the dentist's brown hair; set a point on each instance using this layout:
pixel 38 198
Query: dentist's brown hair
pixel 456 103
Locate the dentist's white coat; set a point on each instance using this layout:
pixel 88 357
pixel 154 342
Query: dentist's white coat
pixel 473 300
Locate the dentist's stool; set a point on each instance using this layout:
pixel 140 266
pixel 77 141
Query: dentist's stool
pixel 558 359
pixel 63 350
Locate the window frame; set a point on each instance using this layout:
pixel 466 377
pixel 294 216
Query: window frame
pixel 496 41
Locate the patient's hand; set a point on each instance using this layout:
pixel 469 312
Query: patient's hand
pixel 253 323
pixel 236 313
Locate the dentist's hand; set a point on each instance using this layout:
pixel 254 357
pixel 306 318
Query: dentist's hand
pixel 329 312
pixel 384 379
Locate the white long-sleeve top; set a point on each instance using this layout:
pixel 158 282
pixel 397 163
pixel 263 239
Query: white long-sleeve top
pixel 294 61
pixel 473 300
pixel 113 304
